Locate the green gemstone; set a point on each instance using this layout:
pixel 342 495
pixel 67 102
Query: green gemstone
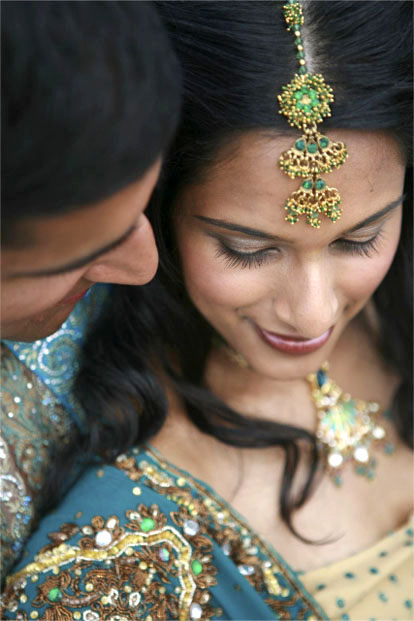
pixel 348 407
pixel 300 55
pixel 312 147
pixel 55 595
pixel 320 184
pixel 298 95
pixel 312 93
pixel 299 105
pixel 164 554
pixel 302 70
pixel 307 185
pixel 307 108
pixel 323 142
pixel 298 41
pixel 196 567
pixel 300 145
pixel 314 103
pixel 147 524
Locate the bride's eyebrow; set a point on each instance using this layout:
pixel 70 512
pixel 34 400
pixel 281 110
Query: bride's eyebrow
pixel 238 228
pixel 376 216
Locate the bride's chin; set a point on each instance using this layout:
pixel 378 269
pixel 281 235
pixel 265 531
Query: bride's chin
pixel 288 369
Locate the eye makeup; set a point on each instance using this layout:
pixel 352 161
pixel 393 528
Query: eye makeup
pixel 235 258
pixel 364 248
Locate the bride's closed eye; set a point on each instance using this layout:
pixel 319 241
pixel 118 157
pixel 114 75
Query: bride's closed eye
pixel 238 258
pixel 363 248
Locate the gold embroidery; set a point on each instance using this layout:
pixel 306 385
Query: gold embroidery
pixel 105 542
pixel 226 528
pixel 149 567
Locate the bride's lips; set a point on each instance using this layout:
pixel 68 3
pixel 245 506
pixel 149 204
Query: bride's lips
pixel 293 345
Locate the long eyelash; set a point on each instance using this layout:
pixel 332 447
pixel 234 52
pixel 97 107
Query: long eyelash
pixel 366 248
pixel 241 259
pixel 235 258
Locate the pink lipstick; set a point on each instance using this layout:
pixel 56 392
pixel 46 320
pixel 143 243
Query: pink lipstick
pixel 295 346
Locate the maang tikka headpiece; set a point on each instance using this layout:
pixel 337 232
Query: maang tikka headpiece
pixel 305 103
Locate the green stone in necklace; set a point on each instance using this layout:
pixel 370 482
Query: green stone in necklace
pixel 346 427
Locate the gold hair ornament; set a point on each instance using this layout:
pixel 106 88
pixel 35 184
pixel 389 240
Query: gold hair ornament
pixel 305 103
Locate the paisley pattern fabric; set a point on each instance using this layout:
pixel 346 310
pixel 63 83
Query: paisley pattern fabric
pixel 38 412
pixel 34 425
pixel 142 539
pixel 55 359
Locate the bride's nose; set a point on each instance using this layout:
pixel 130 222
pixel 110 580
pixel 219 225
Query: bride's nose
pixel 308 302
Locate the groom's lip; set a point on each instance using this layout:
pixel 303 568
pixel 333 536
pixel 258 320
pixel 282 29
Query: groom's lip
pixel 74 298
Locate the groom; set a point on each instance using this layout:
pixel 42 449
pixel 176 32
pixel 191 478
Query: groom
pixel 90 101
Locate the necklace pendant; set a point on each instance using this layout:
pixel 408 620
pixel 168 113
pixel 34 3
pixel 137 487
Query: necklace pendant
pixel 346 427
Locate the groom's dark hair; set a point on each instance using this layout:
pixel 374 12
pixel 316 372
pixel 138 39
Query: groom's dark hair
pixel 90 99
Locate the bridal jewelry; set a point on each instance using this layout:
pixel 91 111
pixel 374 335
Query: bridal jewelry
pixel 305 103
pixel 346 427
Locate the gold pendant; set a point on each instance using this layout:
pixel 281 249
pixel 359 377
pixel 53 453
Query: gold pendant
pixel 346 427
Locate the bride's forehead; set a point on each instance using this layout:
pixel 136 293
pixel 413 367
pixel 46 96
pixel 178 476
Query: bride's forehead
pixel 247 171
pixel 250 162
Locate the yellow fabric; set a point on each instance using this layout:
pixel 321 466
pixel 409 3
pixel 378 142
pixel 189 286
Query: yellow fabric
pixel 376 584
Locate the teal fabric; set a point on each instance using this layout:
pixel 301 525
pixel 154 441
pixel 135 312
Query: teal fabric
pixel 141 539
pixel 38 415
pixel 55 359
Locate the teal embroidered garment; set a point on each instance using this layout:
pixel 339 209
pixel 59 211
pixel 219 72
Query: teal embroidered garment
pixel 38 412
pixel 141 539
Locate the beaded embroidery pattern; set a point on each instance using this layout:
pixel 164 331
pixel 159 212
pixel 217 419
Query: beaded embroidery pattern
pixel 34 426
pixel 38 415
pixel 153 562
pixel 55 359
pixel 306 102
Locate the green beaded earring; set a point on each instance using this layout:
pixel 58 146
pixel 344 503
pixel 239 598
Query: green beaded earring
pixel 305 103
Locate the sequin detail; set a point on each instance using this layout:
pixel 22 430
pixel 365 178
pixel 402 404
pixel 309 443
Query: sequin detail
pixel 159 561
pixel 55 359
pixel 38 413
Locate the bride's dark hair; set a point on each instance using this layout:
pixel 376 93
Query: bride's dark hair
pixel 235 57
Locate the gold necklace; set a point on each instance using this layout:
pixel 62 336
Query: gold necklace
pixel 346 427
